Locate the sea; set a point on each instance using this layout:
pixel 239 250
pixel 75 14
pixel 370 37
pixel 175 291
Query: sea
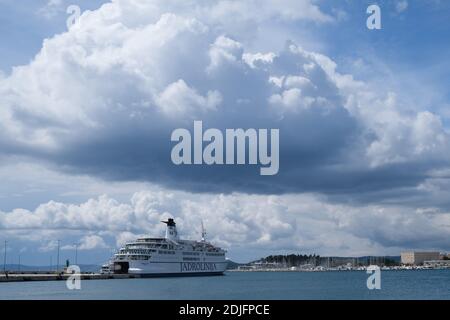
pixel 347 285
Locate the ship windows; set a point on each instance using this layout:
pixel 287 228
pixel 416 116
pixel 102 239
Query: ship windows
pixel 139 257
pixel 215 254
pixel 137 251
pixel 187 253
pixel 166 252
pixel 190 259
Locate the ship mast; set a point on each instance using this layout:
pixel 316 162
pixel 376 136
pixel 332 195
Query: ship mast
pixel 203 232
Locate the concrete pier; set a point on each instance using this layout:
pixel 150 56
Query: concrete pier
pixel 18 277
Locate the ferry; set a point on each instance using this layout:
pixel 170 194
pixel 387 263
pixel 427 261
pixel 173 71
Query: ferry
pixel 168 256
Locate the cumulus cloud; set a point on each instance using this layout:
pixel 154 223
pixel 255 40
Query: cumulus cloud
pixel 51 9
pixel 180 100
pixel 92 242
pixel 294 223
pixel 87 242
pixel 103 98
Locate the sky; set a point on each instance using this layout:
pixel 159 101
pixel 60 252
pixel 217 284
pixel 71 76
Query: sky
pixel 86 115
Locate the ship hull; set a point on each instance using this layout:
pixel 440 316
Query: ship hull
pixel 184 274
pixel 180 269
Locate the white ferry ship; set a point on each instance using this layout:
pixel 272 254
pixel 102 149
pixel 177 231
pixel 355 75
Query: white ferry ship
pixel 169 256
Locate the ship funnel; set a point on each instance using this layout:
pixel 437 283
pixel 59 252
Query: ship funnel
pixel 171 230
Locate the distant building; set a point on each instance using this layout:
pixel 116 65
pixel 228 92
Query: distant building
pixel 416 258
pixel 437 264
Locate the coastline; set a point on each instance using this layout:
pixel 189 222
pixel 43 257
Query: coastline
pixel 35 277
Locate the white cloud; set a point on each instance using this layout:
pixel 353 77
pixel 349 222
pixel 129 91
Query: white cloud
pixel 179 100
pixel 91 242
pixel 291 99
pixel 87 242
pixel 124 237
pixel 305 223
pixel 51 9
pixel 225 50
pixel 258 59
pixel 239 12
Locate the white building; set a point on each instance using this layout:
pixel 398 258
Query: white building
pixel 416 258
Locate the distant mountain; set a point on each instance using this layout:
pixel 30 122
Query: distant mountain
pixel 233 265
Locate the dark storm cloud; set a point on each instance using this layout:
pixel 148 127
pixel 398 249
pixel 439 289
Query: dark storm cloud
pixel 109 111
pixel 313 158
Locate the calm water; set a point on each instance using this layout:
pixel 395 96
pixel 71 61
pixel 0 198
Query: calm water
pixel 430 284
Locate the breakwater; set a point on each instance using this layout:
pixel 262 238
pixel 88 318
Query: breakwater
pixel 19 277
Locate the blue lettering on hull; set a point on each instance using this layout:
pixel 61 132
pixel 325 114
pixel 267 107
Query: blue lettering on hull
pixel 198 266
